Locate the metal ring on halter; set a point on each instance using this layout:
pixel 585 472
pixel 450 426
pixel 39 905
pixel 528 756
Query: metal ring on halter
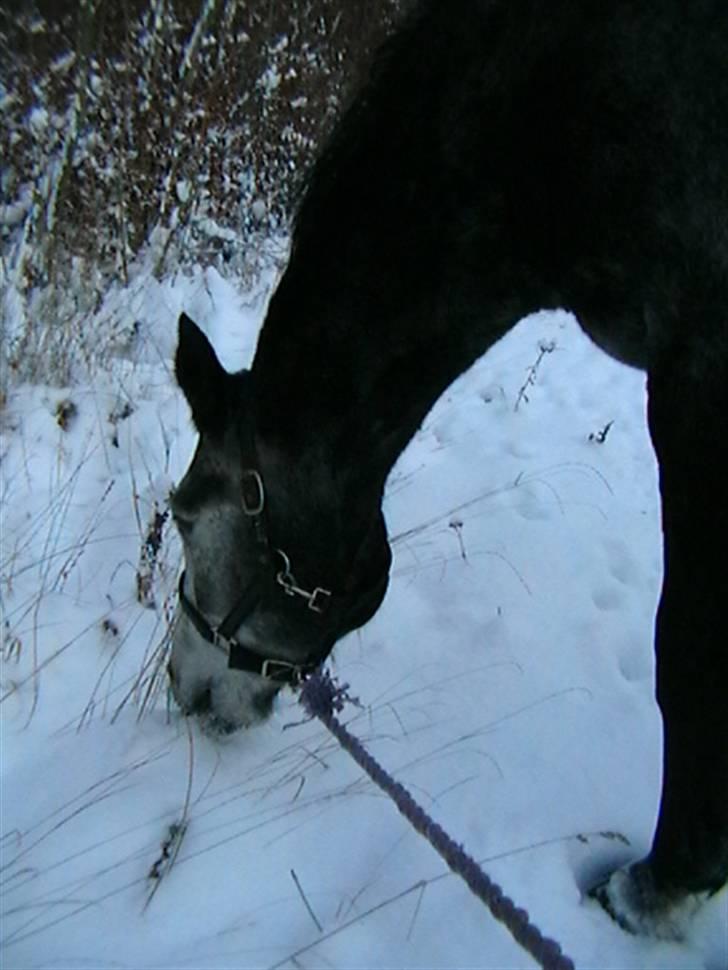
pixel 256 506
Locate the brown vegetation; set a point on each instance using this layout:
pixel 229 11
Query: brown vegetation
pixel 178 127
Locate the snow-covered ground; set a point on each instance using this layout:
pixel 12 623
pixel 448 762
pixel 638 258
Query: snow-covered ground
pixel 507 681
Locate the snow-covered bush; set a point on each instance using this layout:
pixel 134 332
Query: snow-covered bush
pixel 176 131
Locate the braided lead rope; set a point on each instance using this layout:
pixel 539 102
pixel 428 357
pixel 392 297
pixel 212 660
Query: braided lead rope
pixel 320 697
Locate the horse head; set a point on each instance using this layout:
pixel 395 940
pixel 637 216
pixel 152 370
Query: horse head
pixel 283 555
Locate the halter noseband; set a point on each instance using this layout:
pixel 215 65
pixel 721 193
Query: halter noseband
pixel 239 656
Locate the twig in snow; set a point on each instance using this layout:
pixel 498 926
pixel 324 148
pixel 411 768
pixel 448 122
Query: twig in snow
pixel 599 437
pixel 423 887
pixel 148 556
pixel 544 347
pixel 177 830
pixel 306 903
pixel 457 526
pixel 345 926
pixel 167 857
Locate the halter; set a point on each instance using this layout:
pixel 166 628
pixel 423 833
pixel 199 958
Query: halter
pixel 318 600
pixel 222 636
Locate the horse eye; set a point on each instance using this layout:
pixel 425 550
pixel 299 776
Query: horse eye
pixel 182 517
pixel 181 523
pixel 184 521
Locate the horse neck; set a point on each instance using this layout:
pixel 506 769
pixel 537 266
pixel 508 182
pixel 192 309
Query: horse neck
pixel 389 295
pixel 344 376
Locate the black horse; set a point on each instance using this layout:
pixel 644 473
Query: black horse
pixel 505 156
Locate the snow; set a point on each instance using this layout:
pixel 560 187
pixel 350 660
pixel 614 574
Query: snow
pixel 269 80
pixel 507 680
pixel 38 119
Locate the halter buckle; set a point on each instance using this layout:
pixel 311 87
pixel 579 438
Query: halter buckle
pixel 282 671
pixel 223 643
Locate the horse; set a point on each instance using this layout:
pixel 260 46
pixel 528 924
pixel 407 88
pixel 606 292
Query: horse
pixel 501 158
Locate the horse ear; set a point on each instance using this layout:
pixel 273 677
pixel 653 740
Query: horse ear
pixel 200 375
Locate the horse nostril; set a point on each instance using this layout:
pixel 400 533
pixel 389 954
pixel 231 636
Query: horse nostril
pixel 202 704
pixel 170 672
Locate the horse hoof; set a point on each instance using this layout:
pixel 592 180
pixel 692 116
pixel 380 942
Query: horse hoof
pixel 632 899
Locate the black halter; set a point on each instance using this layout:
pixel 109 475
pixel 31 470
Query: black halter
pixel 222 636
pixel 317 600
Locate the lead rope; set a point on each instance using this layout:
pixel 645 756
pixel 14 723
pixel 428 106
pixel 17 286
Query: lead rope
pixel 320 696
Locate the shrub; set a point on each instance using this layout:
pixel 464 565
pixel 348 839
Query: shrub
pixel 176 130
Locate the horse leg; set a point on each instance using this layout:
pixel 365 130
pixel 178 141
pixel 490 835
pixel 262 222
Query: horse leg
pixel 687 419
